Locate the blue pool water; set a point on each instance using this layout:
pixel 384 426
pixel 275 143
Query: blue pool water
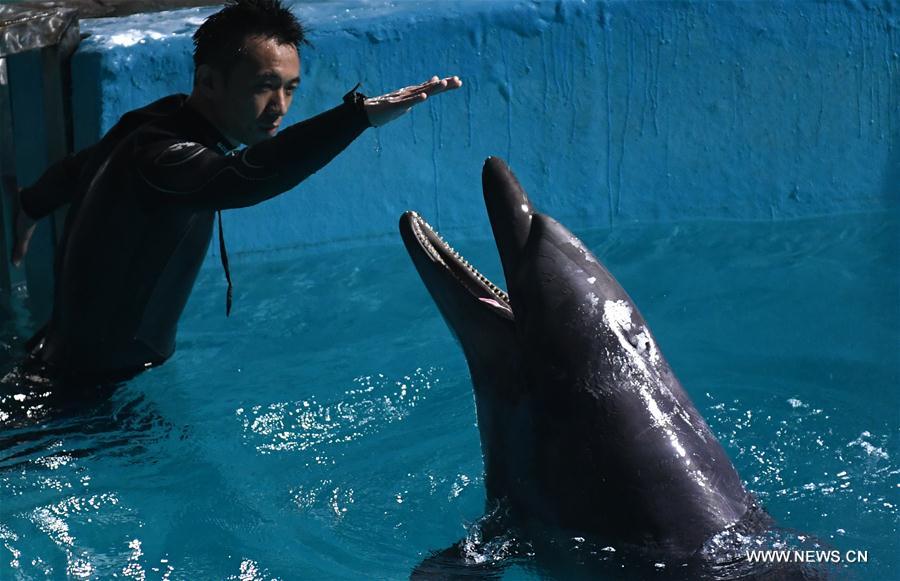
pixel 326 430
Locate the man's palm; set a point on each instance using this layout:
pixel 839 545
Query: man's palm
pixel 386 108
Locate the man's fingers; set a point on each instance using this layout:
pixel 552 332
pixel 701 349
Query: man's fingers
pixel 403 93
pixel 438 89
pixel 418 88
pixel 19 251
pixel 430 83
pixel 441 85
pixel 429 86
pixel 388 107
pixel 433 86
pixel 412 99
pixel 419 93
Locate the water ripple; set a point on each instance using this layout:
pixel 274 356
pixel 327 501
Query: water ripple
pixel 307 425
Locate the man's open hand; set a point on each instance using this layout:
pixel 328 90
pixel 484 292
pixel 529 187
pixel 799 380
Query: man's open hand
pixel 388 107
pixel 24 230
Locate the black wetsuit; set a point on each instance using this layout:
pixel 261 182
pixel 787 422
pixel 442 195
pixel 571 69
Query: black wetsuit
pixel 144 200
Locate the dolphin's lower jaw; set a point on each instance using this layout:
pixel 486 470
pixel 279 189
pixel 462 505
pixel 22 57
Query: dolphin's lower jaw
pixel 430 251
pixel 479 314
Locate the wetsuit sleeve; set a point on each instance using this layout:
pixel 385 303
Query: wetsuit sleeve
pixel 67 180
pixel 57 186
pixel 190 174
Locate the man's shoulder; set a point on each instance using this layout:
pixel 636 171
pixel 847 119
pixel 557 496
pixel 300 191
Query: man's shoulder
pixel 161 107
pixel 133 120
pixel 155 111
pixel 160 124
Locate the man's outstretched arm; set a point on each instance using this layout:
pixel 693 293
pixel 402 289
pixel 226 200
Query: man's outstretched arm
pixel 193 175
pixel 57 186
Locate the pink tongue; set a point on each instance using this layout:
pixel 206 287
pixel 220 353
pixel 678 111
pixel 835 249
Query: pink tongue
pixel 494 303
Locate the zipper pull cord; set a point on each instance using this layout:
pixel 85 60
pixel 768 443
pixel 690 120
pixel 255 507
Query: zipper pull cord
pixel 223 254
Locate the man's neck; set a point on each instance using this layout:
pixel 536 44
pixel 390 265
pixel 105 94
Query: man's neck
pixel 205 109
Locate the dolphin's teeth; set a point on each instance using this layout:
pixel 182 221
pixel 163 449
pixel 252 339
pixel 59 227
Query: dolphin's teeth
pixel 427 243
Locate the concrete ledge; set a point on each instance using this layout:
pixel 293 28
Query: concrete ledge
pixel 610 112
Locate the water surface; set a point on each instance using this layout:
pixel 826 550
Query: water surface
pixel 327 428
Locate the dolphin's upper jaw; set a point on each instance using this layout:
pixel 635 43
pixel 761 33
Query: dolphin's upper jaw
pixel 430 244
pixel 509 211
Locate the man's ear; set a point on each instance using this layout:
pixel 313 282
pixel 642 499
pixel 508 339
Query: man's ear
pixel 207 81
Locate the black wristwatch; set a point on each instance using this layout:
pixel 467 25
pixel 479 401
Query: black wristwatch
pixel 355 98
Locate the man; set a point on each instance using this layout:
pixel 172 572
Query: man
pixel 144 198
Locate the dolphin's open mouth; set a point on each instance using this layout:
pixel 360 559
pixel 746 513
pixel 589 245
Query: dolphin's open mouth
pixel 441 253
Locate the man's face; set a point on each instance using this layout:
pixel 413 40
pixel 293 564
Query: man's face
pixel 252 99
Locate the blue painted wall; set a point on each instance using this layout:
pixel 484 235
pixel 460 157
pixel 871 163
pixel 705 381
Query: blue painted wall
pixel 610 112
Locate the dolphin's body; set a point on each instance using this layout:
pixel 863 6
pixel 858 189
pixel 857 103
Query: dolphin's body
pixel 583 425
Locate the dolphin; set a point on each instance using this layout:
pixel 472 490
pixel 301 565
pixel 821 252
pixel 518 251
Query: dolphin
pixel 584 427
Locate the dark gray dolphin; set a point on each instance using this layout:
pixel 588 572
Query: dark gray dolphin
pixel 584 427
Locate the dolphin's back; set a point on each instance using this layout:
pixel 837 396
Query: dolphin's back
pixel 621 448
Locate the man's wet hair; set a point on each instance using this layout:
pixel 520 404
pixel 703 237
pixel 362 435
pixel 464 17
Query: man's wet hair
pixel 220 39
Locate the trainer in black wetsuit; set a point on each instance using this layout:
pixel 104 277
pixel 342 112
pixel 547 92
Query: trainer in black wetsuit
pixel 142 219
pixel 144 198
